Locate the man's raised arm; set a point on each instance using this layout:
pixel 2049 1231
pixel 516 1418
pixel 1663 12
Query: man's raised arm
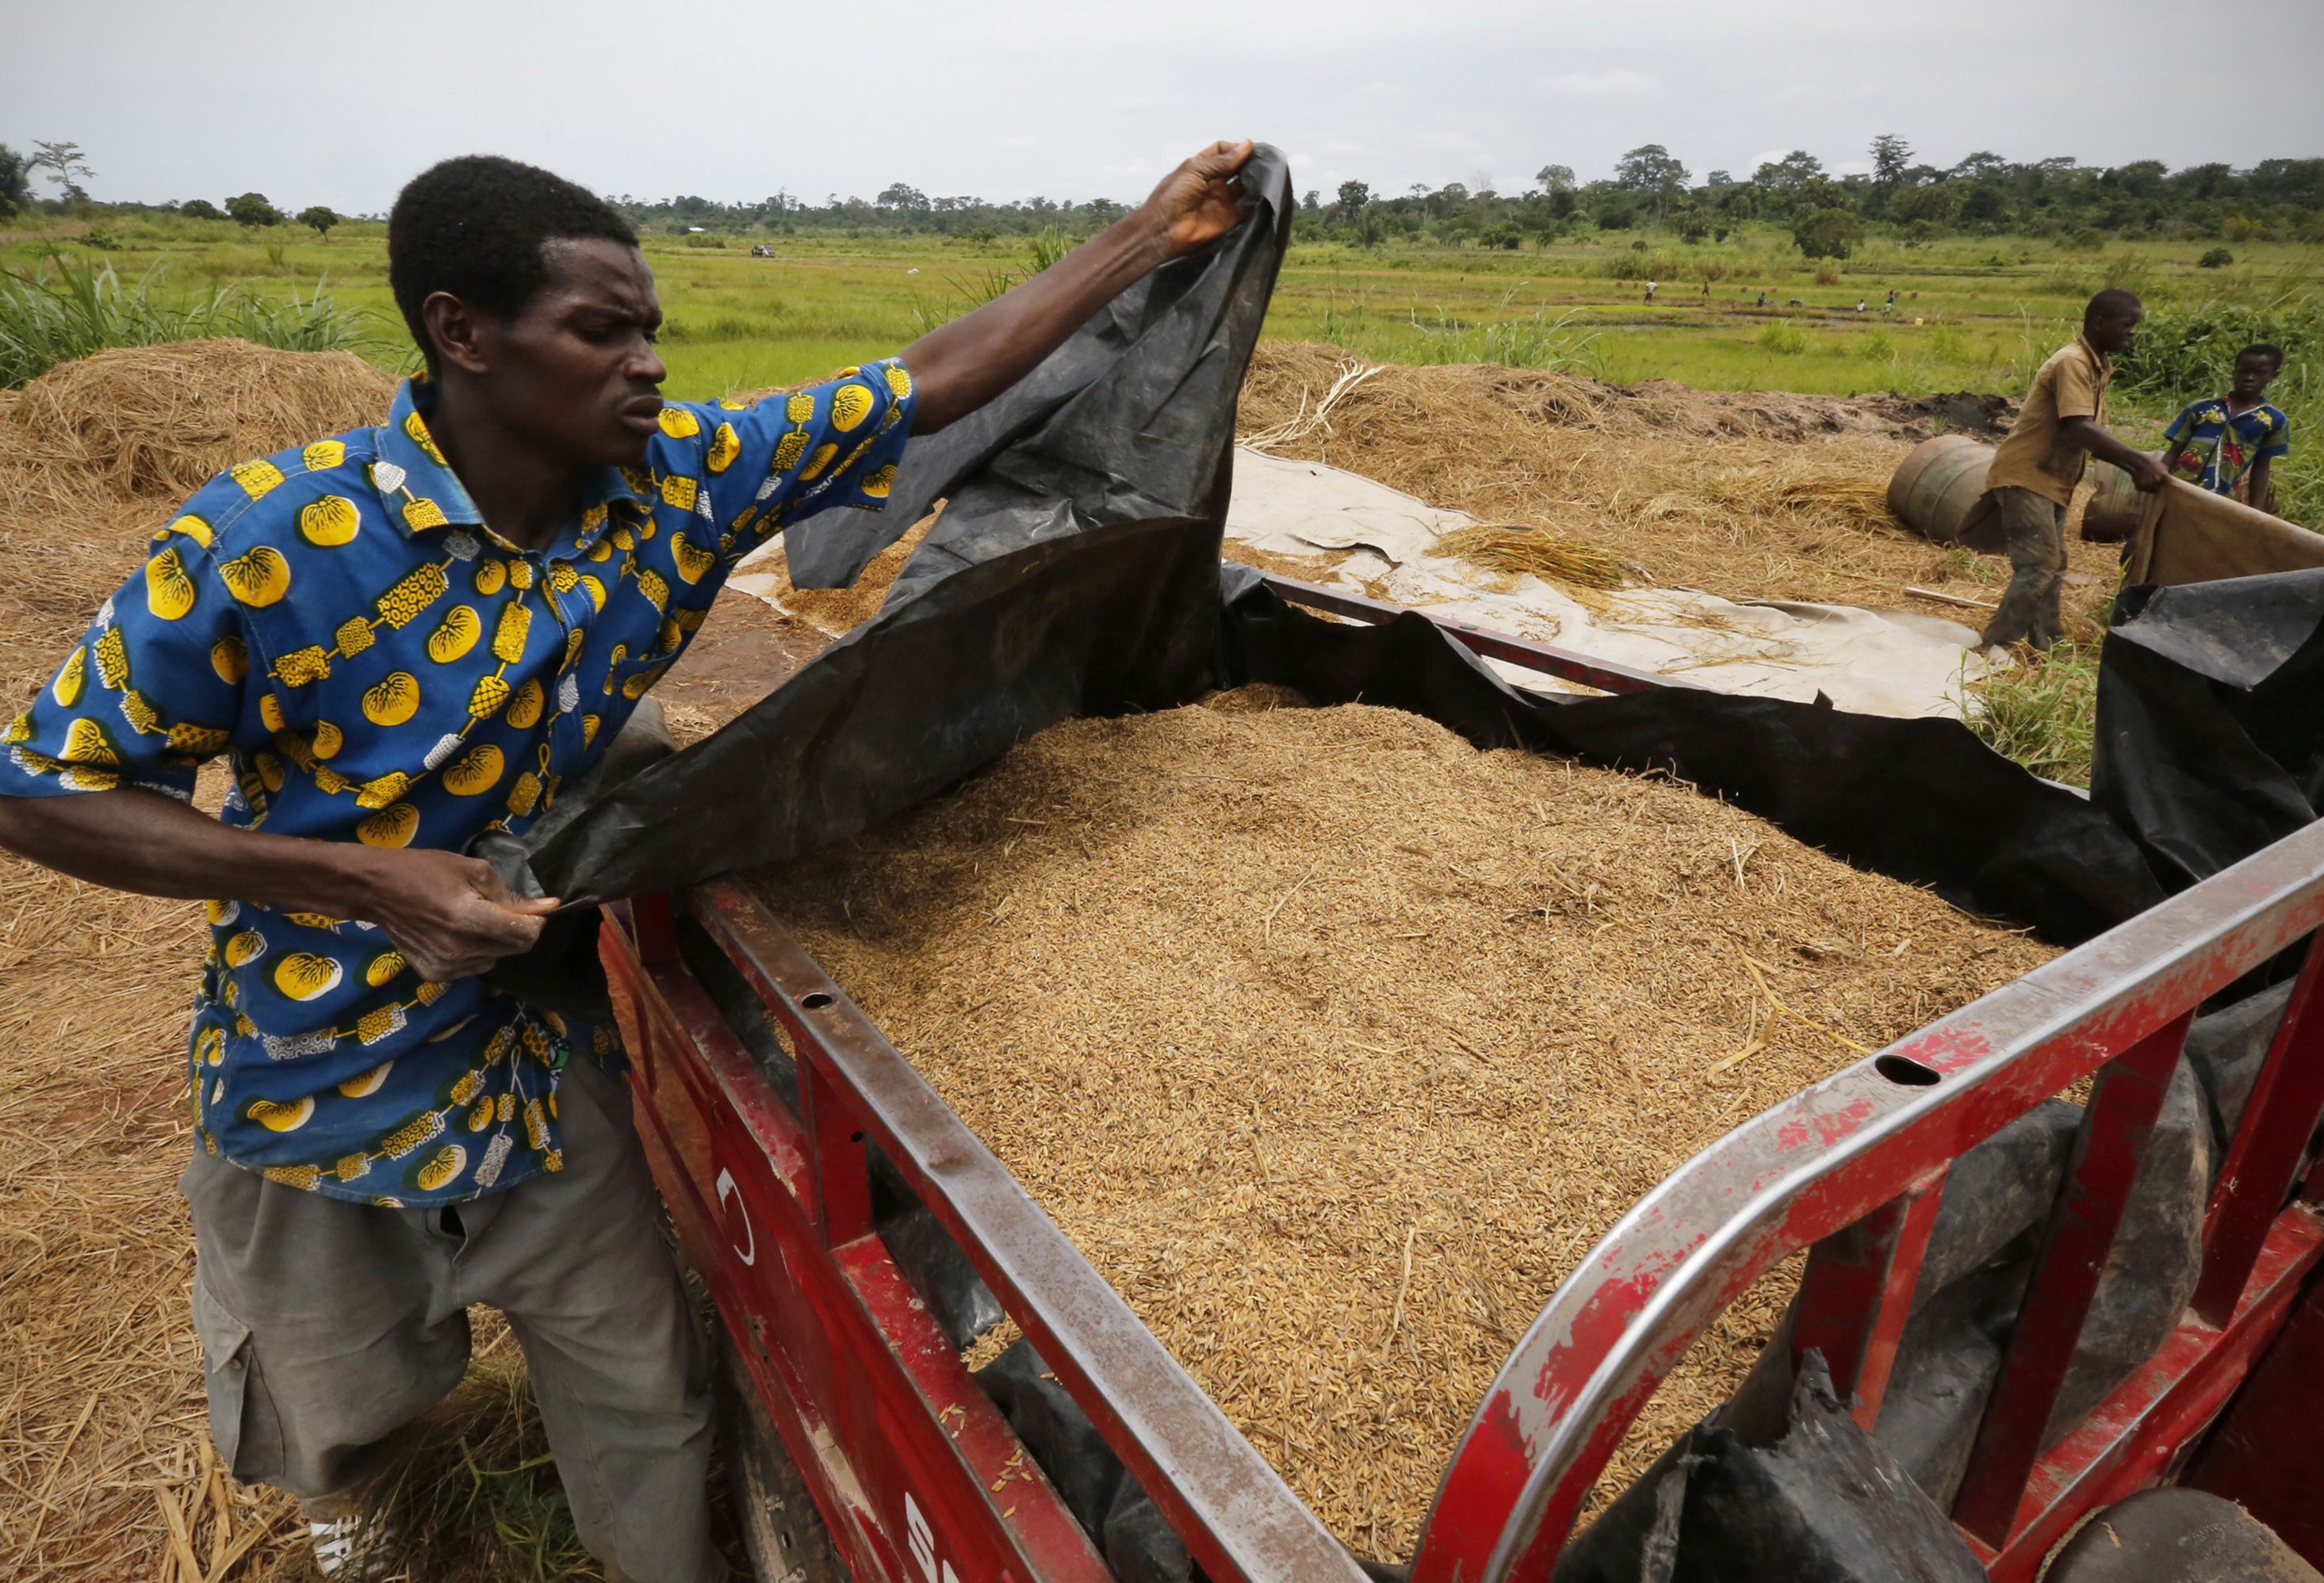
pixel 960 366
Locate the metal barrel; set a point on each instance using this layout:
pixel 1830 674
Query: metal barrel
pixel 2114 513
pixel 1937 484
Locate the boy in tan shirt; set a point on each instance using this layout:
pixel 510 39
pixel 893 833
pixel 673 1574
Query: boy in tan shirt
pixel 2033 473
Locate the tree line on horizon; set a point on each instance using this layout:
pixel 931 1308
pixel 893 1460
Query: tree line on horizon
pixel 1828 214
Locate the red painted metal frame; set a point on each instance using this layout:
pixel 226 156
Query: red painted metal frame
pixel 876 1407
pixel 834 1339
pixel 873 1401
pixel 2119 1119
pixel 1856 1293
pixel 2265 1453
pixel 1852 1145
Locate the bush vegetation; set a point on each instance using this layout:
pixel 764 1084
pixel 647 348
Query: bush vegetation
pixel 62 309
pixel 2040 712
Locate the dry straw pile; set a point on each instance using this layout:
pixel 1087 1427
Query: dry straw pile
pixel 1336 1043
pixel 1757 495
pixel 105 1470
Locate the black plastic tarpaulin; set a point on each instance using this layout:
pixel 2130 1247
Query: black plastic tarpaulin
pixel 2210 729
pixel 1076 571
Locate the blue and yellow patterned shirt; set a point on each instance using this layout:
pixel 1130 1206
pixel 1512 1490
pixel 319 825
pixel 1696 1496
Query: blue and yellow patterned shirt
pixel 2215 450
pixel 381 667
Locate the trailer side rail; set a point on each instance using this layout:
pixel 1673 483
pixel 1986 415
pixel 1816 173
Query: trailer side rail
pixel 1865 1153
pixel 1236 1515
pixel 1853 1169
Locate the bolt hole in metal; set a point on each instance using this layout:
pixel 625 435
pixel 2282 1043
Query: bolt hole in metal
pixel 815 1002
pixel 1904 1070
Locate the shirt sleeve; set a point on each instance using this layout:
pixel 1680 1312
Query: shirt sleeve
pixel 153 688
pixel 2182 428
pixel 2077 390
pixel 2279 438
pixel 767 463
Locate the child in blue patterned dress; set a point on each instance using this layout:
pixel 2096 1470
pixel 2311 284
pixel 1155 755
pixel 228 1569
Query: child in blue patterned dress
pixel 2227 443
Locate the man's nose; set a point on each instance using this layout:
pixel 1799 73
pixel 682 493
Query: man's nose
pixel 647 367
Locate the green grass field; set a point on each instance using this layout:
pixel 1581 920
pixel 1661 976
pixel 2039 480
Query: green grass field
pixel 1972 313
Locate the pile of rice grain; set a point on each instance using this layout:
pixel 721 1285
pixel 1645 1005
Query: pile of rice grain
pixel 1336 1043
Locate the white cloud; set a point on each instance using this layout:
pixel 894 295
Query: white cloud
pixel 1441 139
pixel 1377 90
pixel 1616 82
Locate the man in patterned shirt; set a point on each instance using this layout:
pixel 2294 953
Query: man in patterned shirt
pixel 403 638
pixel 2230 443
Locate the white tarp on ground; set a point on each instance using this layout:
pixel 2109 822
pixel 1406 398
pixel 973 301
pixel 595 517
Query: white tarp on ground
pixel 1873 662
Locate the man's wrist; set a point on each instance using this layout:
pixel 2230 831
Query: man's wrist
pixel 344 878
pixel 1147 236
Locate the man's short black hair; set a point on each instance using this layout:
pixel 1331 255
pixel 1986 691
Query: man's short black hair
pixel 2114 303
pixel 2267 349
pixel 474 226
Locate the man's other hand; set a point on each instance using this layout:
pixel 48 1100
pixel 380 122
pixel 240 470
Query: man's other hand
pixel 450 915
pixel 1201 200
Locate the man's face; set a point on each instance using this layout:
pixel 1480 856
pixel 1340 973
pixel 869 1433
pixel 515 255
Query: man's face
pixel 2110 335
pixel 575 369
pixel 2254 370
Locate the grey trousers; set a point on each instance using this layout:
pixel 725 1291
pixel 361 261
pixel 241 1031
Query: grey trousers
pixel 326 1326
pixel 2034 533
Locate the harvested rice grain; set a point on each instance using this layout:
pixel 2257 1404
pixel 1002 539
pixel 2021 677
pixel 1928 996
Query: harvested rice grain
pixel 1254 1000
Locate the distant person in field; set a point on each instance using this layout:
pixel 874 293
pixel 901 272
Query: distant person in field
pixel 1763 300
pixel 2034 475
pixel 1889 306
pixel 2230 443
pixel 1650 291
pixel 403 638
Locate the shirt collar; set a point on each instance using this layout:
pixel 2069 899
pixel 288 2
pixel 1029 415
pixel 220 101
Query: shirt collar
pixel 419 490
pixel 2096 356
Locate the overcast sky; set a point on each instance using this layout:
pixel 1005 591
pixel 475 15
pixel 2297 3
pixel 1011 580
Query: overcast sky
pixel 338 104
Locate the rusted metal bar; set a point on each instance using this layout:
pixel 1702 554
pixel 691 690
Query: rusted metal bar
pixel 1603 675
pixel 1234 1512
pixel 1858 1294
pixel 2116 1127
pixel 2271 1145
pixel 1815 1163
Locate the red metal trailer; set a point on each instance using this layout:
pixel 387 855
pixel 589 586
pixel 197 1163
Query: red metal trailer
pixel 917 1476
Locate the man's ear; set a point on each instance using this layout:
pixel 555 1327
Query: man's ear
pixel 458 330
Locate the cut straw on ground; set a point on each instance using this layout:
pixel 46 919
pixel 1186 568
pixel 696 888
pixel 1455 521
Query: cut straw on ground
pixel 1746 494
